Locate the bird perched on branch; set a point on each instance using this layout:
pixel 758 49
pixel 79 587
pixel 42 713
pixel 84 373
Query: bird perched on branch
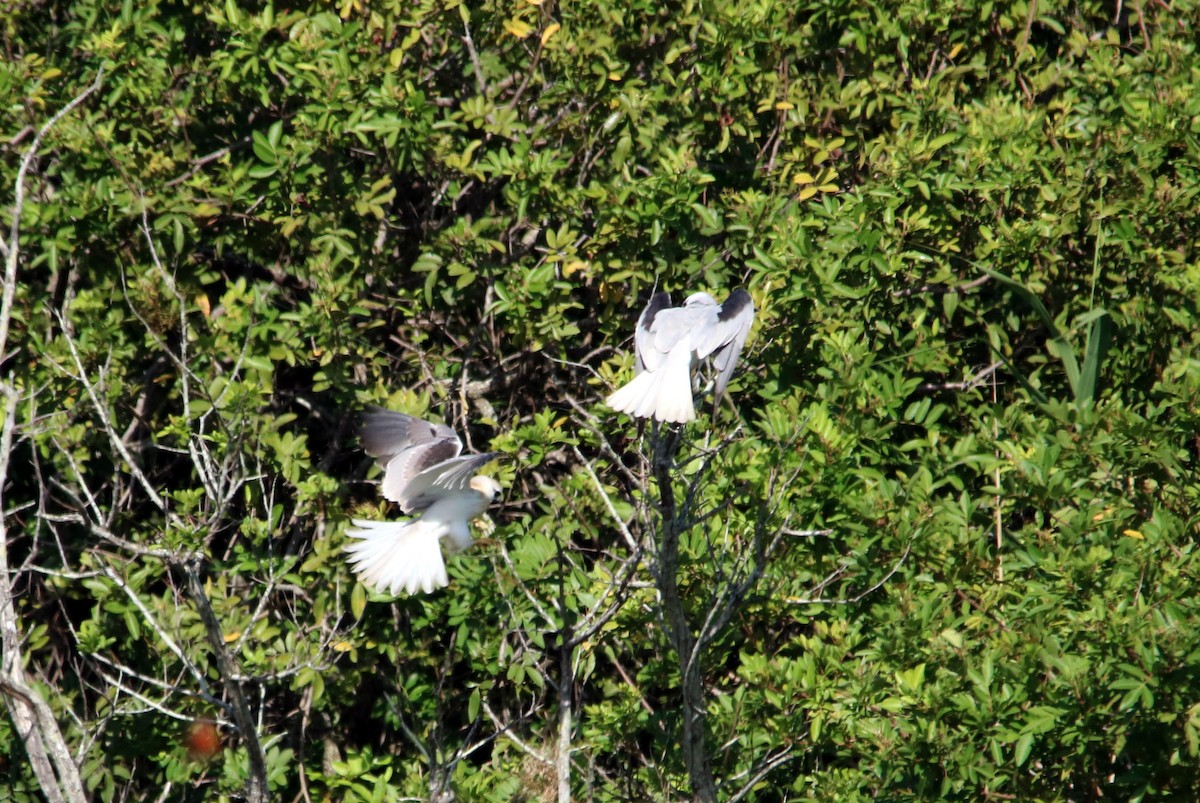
pixel 670 341
pixel 426 475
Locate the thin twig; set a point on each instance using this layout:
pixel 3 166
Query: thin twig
pixel 857 597
pixel 199 163
pixel 506 731
pixel 967 384
pixel 622 527
pixel 941 288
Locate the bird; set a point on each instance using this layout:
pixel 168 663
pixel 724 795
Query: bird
pixel 670 341
pixel 427 475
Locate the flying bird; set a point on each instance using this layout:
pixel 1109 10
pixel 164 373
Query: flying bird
pixel 670 341
pixel 424 473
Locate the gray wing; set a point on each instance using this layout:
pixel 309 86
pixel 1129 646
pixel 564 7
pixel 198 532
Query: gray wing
pixel 675 326
pixel 727 337
pixel 408 449
pixel 402 471
pixel 385 434
pixel 643 338
pixel 441 478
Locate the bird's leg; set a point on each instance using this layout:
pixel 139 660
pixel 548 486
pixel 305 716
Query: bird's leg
pixel 485 526
pixel 717 405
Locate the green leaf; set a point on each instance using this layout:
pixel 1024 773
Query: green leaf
pixel 1098 340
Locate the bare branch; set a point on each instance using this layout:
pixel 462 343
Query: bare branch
pixel 480 82
pixel 941 288
pixel 848 600
pixel 506 731
pixel 679 633
pixel 256 784
pixel 45 745
pixel 967 384
pixel 608 503
pixel 114 438
pixel 768 764
pixel 154 705
pixel 11 249
pixel 158 629
pixel 805 533
pixel 198 164
pixel 168 687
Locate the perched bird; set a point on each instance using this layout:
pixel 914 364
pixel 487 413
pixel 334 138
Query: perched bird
pixel 670 341
pixel 425 474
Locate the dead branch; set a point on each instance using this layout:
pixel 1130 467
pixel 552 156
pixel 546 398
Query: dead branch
pixel 53 765
pixel 256 784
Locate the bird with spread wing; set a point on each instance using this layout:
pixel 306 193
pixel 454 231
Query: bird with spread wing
pixel 426 474
pixel 670 341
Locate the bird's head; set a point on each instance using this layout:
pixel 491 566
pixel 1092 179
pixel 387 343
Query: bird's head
pixel 700 300
pixel 485 485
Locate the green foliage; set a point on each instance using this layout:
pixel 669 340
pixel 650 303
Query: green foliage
pixel 957 479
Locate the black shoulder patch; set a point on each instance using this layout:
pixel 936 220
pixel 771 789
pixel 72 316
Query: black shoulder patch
pixel 658 303
pixel 738 300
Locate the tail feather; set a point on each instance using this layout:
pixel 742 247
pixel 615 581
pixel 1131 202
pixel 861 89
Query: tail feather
pixel 664 393
pixel 635 398
pixel 395 555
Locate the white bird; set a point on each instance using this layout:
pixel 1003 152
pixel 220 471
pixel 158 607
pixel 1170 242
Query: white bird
pixel 670 341
pixel 426 475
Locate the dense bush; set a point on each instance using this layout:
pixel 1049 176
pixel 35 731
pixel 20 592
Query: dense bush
pixel 940 544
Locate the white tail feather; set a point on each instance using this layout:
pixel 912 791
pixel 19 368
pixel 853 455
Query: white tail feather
pixel 665 393
pixel 395 555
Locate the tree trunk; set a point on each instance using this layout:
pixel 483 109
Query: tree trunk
pixel 683 643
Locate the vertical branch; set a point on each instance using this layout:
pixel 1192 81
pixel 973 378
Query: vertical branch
pixel 566 685
pixel 679 633
pixel 12 248
pixel 442 764
pixel 690 639
pixel 999 499
pixel 256 785
pixel 45 745
pixel 48 752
